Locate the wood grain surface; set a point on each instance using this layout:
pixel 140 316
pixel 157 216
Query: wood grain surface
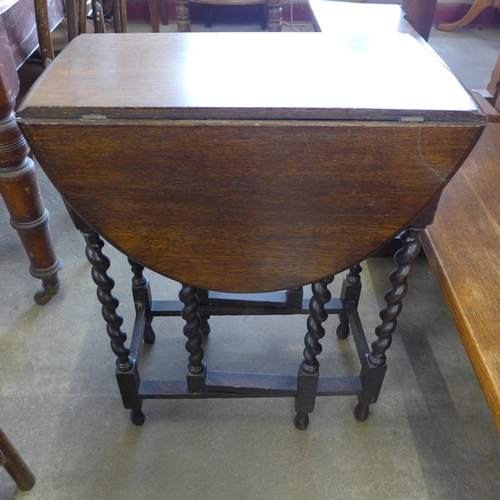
pixel 228 176
pixel 463 248
pixel 246 207
pixel 249 76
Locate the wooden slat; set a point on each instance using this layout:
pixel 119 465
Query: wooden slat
pixel 463 246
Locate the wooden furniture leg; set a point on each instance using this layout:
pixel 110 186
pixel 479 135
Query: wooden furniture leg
pixel 15 465
pixel 164 11
pixel 153 12
pixel 183 18
pixel 98 15
pixel 477 7
pixel 420 13
pixel 196 375
pixel 374 371
pixel 120 15
pixel 275 18
pixel 43 30
pixel 351 291
pixel 308 376
pixel 19 187
pixel 494 86
pixel 126 367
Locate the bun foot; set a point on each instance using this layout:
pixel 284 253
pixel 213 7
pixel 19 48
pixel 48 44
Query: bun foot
pixel 205 327
pixel 138 417
pixel 361 412
pixel 301 421
pixel 149 335
pixel 343 331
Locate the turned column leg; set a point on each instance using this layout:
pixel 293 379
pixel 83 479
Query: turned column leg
pixel 192 330
pixel 142 295
pixel 275 17
pixel 20 191
pixel 307 379
pixel 351 291
pixel 126 370
pixel 373 374
pixel 183 19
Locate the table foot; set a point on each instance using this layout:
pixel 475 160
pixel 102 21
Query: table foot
pixel 149 335
pixel 205 327
pixel 361 412
pixel 138 416
pixel 50 282
pixel 45 294
pixel 343 330
pixel 301 421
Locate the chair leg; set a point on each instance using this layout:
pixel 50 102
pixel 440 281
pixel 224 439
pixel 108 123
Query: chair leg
pixel 15 465
pixel 43 30
pixel 164 11
pixel 82 16
pixel 153 13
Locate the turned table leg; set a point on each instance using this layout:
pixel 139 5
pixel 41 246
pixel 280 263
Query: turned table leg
pixel 308 376
pixel 197 371
pixel 373 373
pixel 127 374
pixel 183 19
pixel 275 19
pixel 19 188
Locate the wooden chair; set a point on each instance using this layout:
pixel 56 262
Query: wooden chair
pixel 15 465
pixel 76 12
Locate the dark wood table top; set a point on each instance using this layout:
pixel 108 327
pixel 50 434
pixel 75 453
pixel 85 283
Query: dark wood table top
pixel 249 162
pixel 245 75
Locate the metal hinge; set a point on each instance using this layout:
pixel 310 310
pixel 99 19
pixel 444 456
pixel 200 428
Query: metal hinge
pixel 94 117
pixel 417 119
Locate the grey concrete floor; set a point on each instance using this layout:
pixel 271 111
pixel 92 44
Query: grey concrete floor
pixel 429 437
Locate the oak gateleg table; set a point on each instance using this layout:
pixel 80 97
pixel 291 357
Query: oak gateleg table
pixel 250 163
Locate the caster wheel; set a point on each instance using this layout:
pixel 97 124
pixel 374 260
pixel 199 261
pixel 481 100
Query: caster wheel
pixel 149 335
pixel 301 421
pixel 138 417
pixel 50 287
pixel 361 412
pixel 42 297
pixel 343 330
